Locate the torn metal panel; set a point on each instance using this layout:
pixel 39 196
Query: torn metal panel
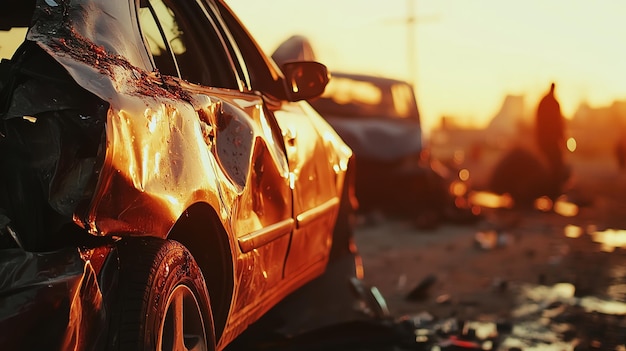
pixel 151 125
pixel 93 40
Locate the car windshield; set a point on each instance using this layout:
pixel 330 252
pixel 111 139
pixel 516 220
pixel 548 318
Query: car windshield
pixel 350 97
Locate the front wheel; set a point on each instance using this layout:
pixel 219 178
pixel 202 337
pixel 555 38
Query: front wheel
pixel 163 300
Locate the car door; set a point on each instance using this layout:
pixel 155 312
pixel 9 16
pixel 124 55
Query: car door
pixel 185 42
pixel 315 198
pixel 311 174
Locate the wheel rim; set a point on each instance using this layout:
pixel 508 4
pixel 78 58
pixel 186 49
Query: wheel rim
pixel 182 327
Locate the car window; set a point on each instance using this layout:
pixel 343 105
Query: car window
pixel 403 101
pixel 262 74
pixel 349 91
pixel 156 38
pixel 233 49
pixel 184 43
pixel 351 98
pixel 348 97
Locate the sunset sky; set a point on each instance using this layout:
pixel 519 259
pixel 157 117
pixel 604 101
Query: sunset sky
pixel 468 53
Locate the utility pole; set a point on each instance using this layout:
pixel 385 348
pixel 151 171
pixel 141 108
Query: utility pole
pixel 411 46
pixel 411 21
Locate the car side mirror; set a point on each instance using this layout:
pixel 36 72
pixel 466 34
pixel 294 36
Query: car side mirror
pixel 305 79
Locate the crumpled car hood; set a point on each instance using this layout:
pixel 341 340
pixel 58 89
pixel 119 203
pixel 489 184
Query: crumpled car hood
pixel 379 139
pixel 91 40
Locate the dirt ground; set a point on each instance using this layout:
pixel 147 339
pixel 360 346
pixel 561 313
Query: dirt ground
pixel 514 280
pixel 447 273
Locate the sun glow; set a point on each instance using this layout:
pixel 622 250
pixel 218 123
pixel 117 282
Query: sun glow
pixel 463 56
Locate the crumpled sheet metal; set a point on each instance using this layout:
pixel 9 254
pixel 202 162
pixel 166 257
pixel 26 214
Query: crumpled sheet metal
pixel 143 168
pixel 151 124
pixel 146 180
pixel 100 35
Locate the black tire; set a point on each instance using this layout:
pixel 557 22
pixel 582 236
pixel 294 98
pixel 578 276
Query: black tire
pixel 163 300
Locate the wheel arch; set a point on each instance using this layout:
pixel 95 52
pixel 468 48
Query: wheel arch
pixel 200 230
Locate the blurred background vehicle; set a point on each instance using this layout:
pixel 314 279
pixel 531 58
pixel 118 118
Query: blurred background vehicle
pixel 379 119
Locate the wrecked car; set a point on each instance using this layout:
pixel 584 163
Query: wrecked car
pixel 379 119
pixel 163 184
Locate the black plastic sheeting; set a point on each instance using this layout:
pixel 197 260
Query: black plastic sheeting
pixel 51 301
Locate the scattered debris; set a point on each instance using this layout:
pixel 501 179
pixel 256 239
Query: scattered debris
pixel 444 299
pixel 491 239
pixel 420 292
pixel 550 317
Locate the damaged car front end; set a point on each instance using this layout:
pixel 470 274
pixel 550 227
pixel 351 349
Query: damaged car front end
pixel 153 160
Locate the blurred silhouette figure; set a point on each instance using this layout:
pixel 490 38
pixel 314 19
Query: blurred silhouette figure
pixel 522 175
pixel 549 133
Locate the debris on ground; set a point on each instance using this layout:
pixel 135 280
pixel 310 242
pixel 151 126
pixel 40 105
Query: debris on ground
pixel 420 291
